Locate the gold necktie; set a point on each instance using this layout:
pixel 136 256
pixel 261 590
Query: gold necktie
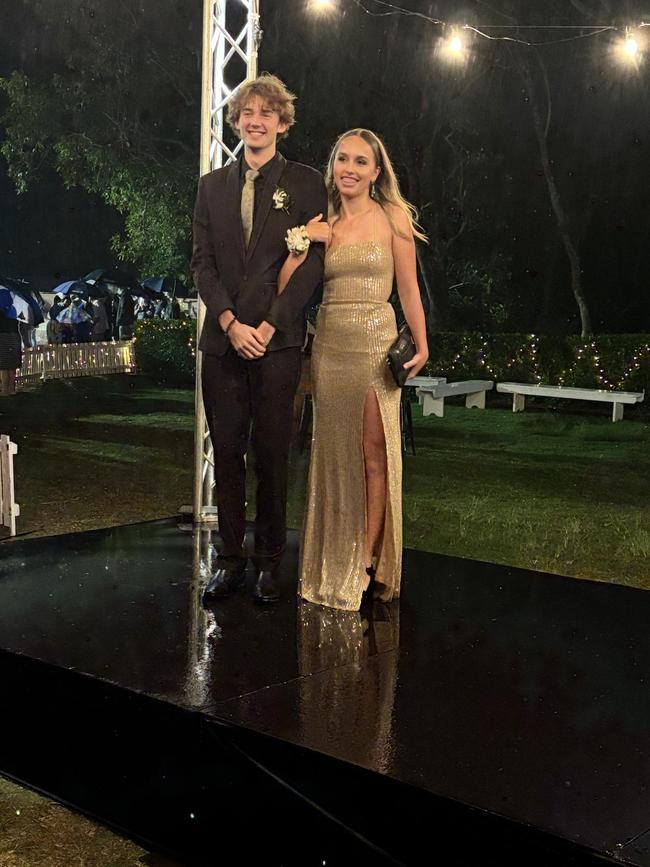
pixel 248 204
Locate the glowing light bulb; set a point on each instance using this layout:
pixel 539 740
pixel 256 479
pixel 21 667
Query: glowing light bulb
pixel 456 45
pixel 629 49
pixel 453 48
pixel 322 5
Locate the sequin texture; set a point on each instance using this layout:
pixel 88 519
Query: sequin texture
pixel 355 328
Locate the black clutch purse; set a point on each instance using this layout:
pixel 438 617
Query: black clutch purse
pixel 400 352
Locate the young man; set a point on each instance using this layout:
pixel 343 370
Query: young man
pixel 252 338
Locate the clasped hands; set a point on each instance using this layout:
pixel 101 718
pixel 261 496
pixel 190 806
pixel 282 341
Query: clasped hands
pixel 249 342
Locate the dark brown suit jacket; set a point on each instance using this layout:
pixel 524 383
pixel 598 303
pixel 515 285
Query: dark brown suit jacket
pixel 228 277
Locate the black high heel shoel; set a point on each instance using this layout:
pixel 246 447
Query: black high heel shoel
pixel 367 593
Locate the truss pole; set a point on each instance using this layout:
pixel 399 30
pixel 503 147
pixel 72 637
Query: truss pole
pixel 225 52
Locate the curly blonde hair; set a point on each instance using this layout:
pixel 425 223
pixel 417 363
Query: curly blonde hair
pixel 272 91
pixel 386 187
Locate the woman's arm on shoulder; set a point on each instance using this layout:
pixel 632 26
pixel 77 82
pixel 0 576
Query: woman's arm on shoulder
pixel 403 245
pixel 318 231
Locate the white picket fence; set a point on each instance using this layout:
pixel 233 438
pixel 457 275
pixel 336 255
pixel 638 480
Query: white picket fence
pixel 9 510
pixel 60 361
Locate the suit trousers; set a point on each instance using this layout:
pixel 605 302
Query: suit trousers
pixel 251 403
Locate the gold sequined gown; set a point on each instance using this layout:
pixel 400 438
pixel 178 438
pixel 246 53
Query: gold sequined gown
pixel 354 330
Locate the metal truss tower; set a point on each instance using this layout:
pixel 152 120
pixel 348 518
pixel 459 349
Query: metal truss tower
pixel 231 38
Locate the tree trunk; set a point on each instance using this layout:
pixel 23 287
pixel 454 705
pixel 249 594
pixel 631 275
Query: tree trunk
pixel 554 195
pixel 437 312
pixel 434 283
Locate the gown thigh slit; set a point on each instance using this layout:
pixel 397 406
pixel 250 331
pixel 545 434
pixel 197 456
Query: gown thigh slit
pixel 355 328
pixel 380 444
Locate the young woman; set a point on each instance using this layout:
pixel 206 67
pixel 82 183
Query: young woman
pixel 352 532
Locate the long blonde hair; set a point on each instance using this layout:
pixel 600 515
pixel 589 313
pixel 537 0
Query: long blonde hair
pixel 386 187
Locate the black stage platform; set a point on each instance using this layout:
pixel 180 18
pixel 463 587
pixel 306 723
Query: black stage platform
pixel 495 716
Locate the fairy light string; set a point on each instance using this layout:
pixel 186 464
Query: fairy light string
pixel 586 30
pixel 478 353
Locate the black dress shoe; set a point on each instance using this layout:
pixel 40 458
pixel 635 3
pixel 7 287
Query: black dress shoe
pixel 266 588
pixel 223 583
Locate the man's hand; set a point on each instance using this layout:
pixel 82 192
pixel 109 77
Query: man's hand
pixel 266 331
pixel 246 341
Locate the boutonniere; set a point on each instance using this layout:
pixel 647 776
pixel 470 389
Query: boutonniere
pixel 281 200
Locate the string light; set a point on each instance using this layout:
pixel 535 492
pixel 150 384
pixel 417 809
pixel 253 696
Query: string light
pixel 322 6
pixel 628 49
pixel 453 48
pixel 162 326
pixel 527 356
pixel 630 44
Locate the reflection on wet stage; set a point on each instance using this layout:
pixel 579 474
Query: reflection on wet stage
pixel 483 689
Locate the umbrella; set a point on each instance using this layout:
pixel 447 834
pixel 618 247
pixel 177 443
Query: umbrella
pixel 26 306
pixel 183 291
pixel 168 284
pixel 82 287
pixel 19 289
pixel 70 286
pixel 157 284
pixel 24 311
pixel 7 303
pixel 115 276
pixel 18 285
pixel 74 314
pixel 96 290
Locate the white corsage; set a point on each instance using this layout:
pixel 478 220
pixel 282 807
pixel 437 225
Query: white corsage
pixel 298 240
pixel 281 200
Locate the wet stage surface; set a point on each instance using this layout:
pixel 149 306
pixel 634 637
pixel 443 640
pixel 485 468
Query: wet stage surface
pixel 520 693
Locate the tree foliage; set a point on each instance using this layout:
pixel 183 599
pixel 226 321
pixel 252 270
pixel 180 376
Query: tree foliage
pixel 526 173
pixel 116 113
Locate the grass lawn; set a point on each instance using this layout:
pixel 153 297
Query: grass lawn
pixel 545 489
pixel 98 451
pixel 548 489
pixel 37 831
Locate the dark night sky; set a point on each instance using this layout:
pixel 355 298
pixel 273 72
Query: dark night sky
pixel 351 69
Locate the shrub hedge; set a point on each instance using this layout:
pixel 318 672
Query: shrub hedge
pixel 165 349
pixel 613 361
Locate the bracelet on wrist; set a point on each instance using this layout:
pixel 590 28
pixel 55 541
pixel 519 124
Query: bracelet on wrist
pixel 298 240
pixel 230 325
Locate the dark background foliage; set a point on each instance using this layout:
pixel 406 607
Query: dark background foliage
pixel 101 130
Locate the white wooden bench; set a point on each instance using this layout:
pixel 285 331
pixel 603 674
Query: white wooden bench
pixel 406 420
pixel 421 382
pixel 618 399
pixel 424 381
pixel 432 397
pixel 9 510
